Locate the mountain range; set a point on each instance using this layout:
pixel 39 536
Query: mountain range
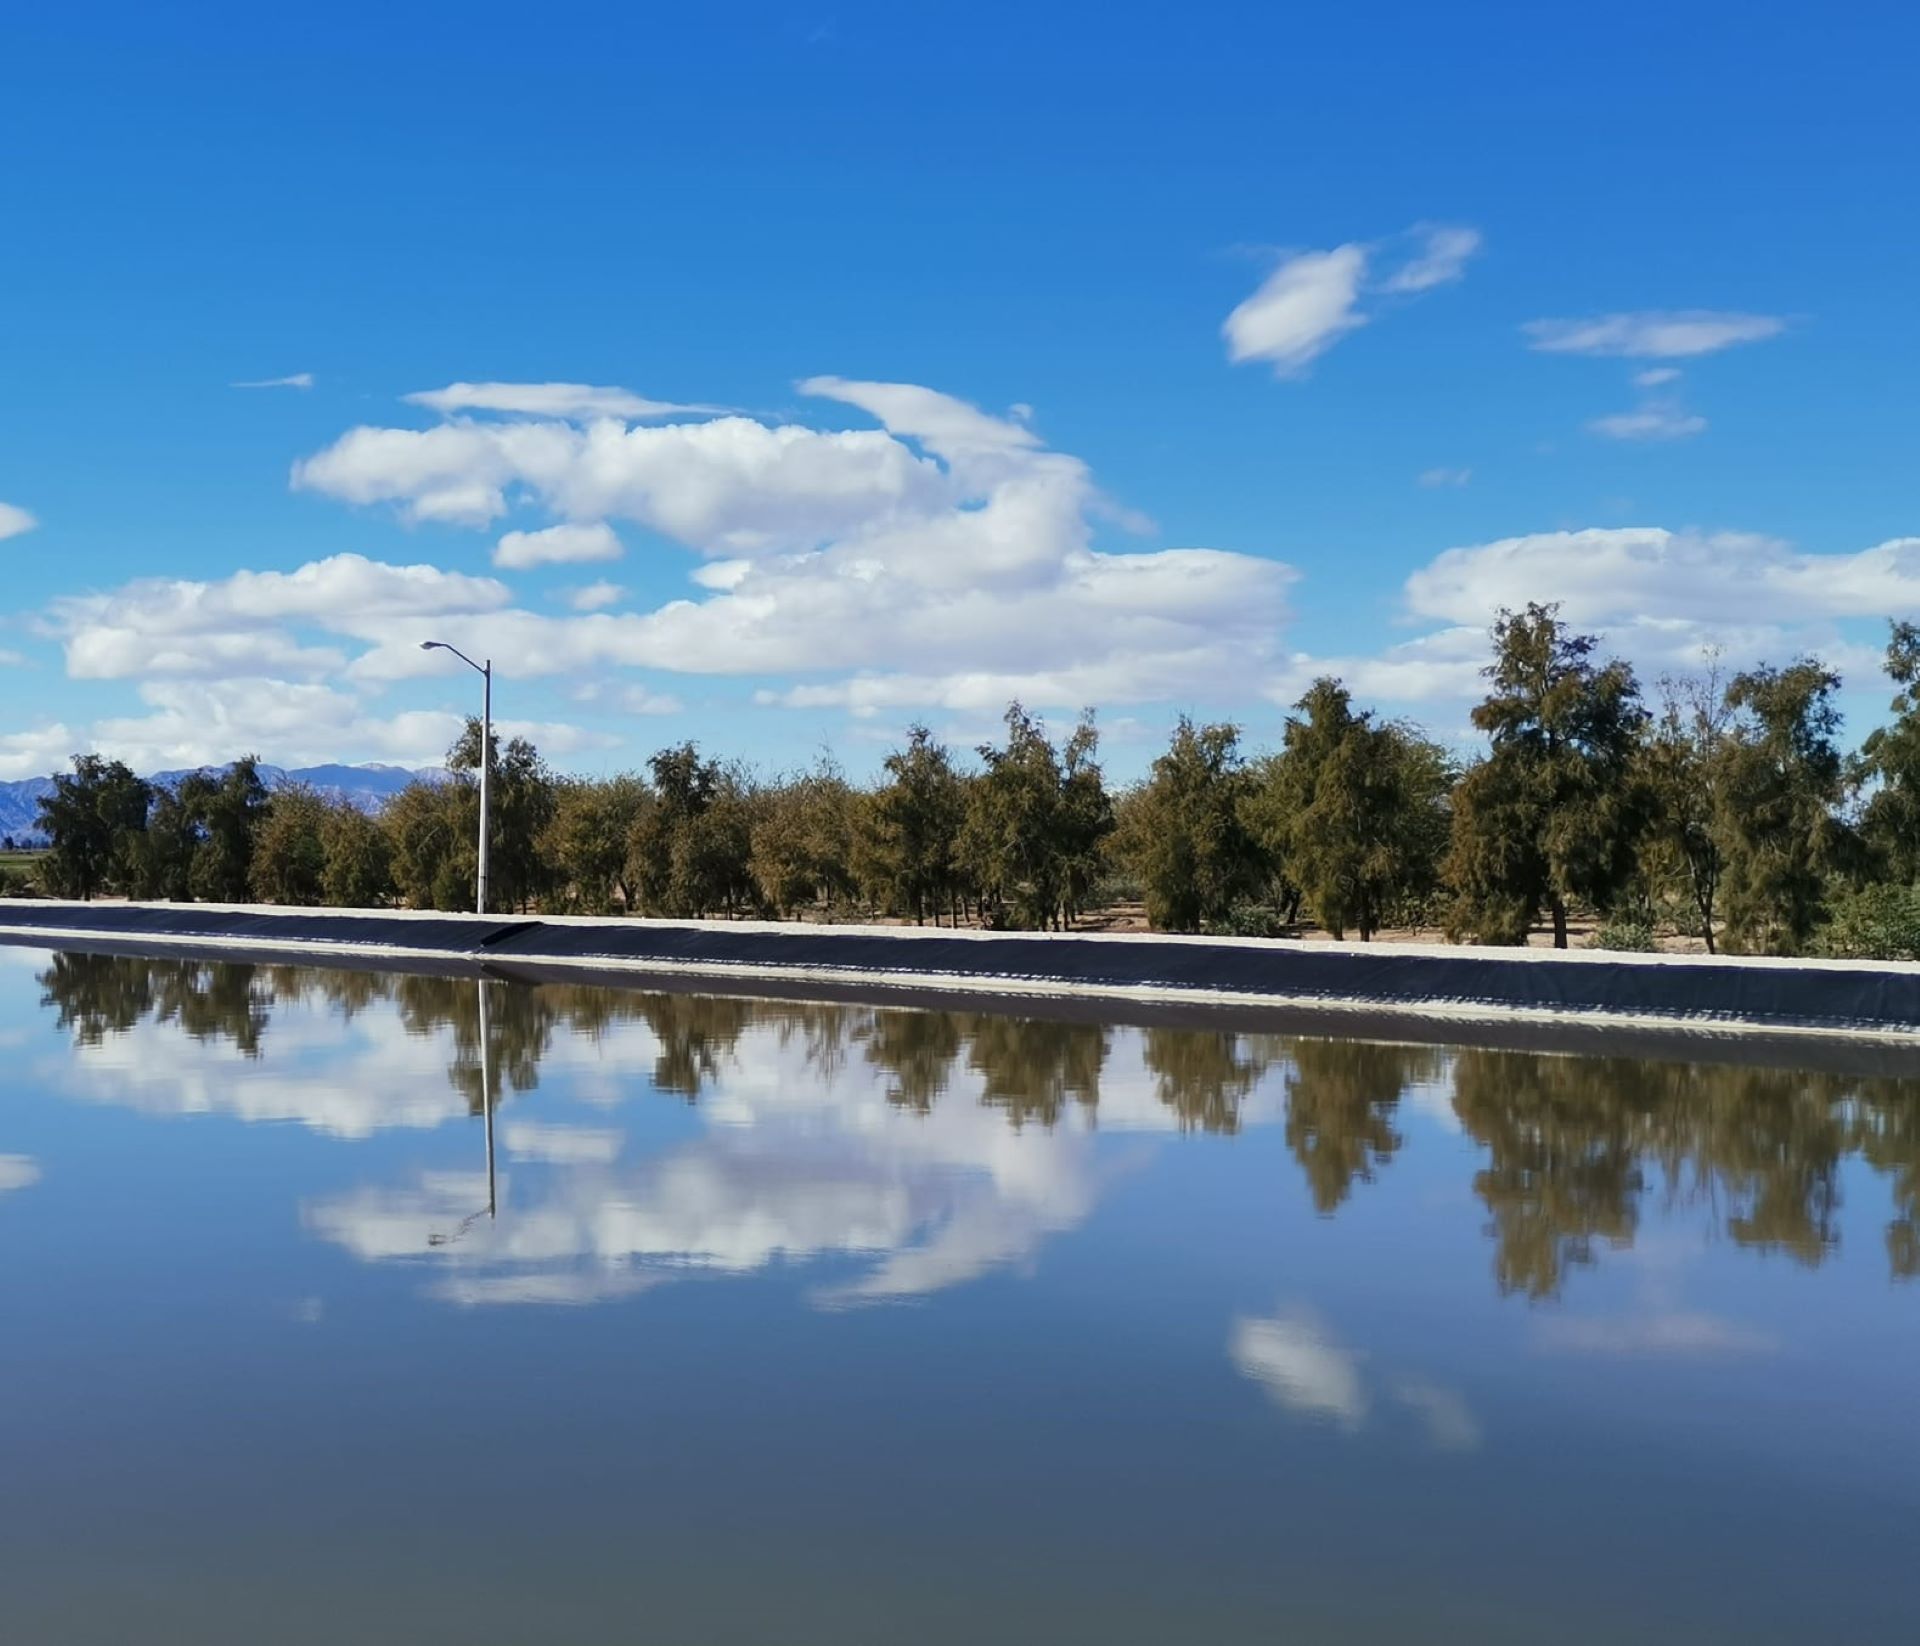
pixel 368 787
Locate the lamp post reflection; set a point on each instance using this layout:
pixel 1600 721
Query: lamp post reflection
pixel 492 1210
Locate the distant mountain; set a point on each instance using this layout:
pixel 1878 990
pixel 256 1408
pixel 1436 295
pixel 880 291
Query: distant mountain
pixel 368 787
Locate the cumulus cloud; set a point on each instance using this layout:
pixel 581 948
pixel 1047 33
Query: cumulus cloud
pixel 1300 311
pixel 557 546
pixel 297 380
pixel 18 1171
pixel 181 626
pixel 593 597
pixel 1656 420
pixel 36 753
pixel 1653 334
pixel 1656 377
pixel 576 401
pixel 945 547
pixel 15 520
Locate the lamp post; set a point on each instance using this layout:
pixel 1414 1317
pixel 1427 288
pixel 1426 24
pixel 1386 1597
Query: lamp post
pixel 485 671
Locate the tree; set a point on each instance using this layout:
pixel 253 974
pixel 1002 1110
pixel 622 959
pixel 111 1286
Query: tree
pixel 1781 782
pixel 91 820
pixel 356 860
pixel 289 853
pixel 1681 770
pixel 802 840
pixel 222 814
pixel 1186 838
pixel 912 828
pixel 691 852
pixel 1551 815
pixel 520 806
pixel 1362 809
pixel 1890 758
pixel 1033 825
pixel 432 832
pixel 588 838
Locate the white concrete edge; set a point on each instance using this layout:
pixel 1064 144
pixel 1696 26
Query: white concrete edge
pixel 1434 1008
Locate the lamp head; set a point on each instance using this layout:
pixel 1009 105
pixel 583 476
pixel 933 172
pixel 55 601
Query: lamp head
pixel 431 645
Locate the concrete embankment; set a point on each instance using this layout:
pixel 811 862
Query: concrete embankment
pixel 1463 984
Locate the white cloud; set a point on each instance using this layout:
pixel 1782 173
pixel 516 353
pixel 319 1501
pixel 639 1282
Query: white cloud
pixel 1648 574
pixel 38 752
pixel 922 569
pixel 298 380
pixel 1656 420
pixel 593 597
pixel 15 520
pixel 1656 376
pixel 641 700
pixel 1433 478
pixel 184 627
pixel 573 401
pixel 1652 334
pixel 1300 311
pixel 561 1145
pixel 1300 1366
pixel 194 723
pixel 1441 261
pixel 564 544
pixel 1450 1423
pixel 18 1171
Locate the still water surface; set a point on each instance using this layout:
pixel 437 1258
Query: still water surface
pixel 838 1324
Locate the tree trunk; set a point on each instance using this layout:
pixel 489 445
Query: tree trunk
pixel 1559 922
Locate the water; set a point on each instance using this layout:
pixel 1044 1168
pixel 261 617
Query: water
pixel 832 1323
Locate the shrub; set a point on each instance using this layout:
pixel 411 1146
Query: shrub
pixel 1245 920
pixel 1624 934
pixel 1875 923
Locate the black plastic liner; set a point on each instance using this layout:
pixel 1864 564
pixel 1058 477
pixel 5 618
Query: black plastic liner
pixel 1862 995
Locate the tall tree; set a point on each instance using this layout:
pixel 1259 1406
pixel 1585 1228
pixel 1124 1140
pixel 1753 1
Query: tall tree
pixel 1032 823
pixel 356 859
pixel 1363 809
pixel 1681 769
pixel 1890 759
pixel 91 818
pixel 289 852
pixel 520 806
pixel 223 812
pixel 1782 780
pixel 912 828
pixel 1551 815
pixel 586 842
pixel 1186 835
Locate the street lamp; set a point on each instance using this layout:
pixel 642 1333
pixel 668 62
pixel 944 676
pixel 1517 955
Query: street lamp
pixel 485 671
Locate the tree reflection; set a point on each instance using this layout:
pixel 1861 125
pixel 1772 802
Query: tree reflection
pixel 1342 1100
pixel 1573 1147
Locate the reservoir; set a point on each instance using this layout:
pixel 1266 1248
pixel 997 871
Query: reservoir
pixel 345 1305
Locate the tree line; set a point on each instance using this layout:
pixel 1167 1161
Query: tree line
pixel 1720 809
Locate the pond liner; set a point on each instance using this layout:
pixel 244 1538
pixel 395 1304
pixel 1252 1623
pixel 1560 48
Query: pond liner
pixel 1834 996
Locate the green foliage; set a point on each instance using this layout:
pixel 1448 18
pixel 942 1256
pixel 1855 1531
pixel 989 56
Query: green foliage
pixel 907 841
pixel 1874 923
pixel 520 806
pixel 289 852
pixel 356 859
pixel 432 832
pixel 1890 759
pixel 801 850
pixel 1781 780
pixel 1551 815
pixel 1035 820
pixel 1680 771
pixel 691 851
pixel 1625 934
pixel 90 820
pixel 587 840
pixel 1186 836
pixel 1361 811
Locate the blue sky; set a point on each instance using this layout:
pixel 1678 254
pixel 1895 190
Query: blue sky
pixel 1000 247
